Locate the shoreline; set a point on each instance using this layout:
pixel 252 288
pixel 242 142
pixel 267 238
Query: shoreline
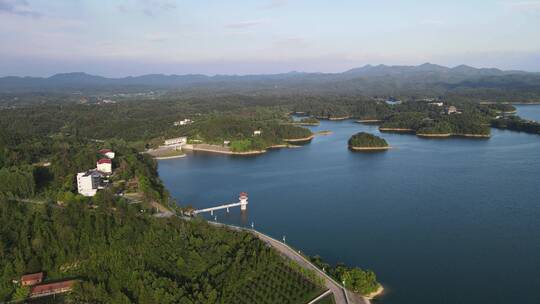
pixel 376 293
pixel 446 135
pixel 226 152
pixel 300 139
pixel 164 153
pixel 334 118
pixel 368 120
pixel 339 118
pixel 396 130
pixel 367 149
pixel 521 103
pixel 169 157
pixel 221 150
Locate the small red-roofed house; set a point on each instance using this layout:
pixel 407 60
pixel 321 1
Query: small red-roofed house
pixel 31 279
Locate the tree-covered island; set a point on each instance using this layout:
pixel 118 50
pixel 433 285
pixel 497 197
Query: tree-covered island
pixel 363 141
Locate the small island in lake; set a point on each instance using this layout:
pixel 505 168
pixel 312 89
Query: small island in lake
pixel 363 141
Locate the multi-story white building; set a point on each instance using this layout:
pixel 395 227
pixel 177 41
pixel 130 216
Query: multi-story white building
pixel 104 165
pixel 88 182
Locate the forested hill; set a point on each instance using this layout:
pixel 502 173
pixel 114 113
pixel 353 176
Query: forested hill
pixel 368 80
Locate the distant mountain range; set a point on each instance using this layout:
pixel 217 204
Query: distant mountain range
pixel 369 79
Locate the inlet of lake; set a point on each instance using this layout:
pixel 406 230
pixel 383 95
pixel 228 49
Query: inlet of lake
pixel 438 220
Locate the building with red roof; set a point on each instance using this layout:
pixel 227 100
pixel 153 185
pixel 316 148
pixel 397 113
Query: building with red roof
pixel 51 288
pixel 107 152
pixel 104 165
pixel 31 279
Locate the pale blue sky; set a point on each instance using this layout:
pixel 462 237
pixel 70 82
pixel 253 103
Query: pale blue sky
pixel 133 37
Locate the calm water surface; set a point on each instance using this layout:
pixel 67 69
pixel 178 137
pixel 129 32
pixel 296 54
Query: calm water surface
pixel 439 221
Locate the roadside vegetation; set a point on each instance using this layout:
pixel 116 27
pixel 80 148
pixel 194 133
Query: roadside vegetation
pixel 360 281
pixel 121 256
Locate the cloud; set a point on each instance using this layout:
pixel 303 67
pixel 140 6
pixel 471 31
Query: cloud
pixel 292 42
pixel 123 9
pixel 156 37
pixel 274 4
pixel 148 8
pixel 244 24
pixel 523 6
pixel 432 22
pixel 17 7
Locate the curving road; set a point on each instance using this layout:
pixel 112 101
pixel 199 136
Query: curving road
pixel 341 296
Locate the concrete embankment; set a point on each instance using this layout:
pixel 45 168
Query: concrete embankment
pixel 169 157
pixel 300 139
pixel 219 149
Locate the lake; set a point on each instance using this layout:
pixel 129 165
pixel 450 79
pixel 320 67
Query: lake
pixel 438 220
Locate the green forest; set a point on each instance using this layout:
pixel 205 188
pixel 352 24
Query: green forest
pixel 110 243
pixel 515 123
pixel 119 255
pixel 47 226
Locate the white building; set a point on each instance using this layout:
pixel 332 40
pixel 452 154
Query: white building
pixel 104 165
pixel 183 122
pixel 176 141
pixel 107 153
pixel 88 182
pixel 452 110
pixel 438 104
pixel 257 133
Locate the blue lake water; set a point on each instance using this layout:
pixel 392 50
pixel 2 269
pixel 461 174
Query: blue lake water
pixel 439 220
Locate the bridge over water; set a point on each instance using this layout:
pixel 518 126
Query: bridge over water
pixel 242 202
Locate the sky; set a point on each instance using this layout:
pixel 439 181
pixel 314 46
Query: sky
pixel 118 38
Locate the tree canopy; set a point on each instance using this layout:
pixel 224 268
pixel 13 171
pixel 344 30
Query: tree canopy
pixel 366 140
